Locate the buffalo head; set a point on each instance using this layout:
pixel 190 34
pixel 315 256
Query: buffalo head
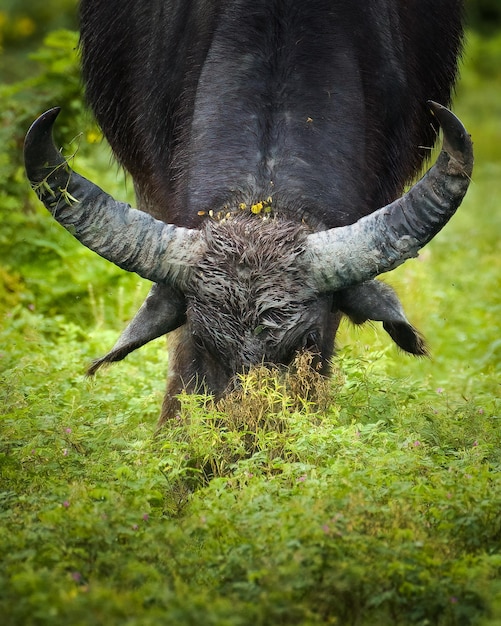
pixel 246 289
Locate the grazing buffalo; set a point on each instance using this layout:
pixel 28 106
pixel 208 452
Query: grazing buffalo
pixel 269 142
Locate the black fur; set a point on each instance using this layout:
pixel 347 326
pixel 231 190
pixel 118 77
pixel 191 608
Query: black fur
pixel 208 101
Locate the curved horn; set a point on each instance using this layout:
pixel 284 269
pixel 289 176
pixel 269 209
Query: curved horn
pixel 131 239
pixel 383 240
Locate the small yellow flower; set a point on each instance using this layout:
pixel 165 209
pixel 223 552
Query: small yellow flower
pixel 25 26
pixel 94 136
pixel 242 206
pixel 257 208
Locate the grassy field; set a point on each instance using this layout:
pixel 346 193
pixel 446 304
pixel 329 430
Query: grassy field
pixel 382 507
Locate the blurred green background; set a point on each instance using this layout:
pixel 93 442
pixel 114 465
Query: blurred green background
pixel 23 25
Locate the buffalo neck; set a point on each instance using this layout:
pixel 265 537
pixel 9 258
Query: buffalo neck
pixel 277 113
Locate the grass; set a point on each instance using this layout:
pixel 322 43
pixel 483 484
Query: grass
pixel 382 507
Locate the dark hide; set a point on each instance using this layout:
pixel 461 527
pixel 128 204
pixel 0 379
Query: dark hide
pixel 208 101
pixel 317 104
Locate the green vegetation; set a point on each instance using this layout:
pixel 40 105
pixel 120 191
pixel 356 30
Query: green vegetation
pixel 381 507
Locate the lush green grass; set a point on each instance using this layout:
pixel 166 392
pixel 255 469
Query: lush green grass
pixel 381 508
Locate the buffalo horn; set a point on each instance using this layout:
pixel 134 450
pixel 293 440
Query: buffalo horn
pixel 131 239
pixel 383 240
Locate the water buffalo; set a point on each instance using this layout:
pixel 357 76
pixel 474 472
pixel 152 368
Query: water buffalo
pixel 269 142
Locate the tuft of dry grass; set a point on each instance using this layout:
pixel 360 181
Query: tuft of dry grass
pixel 266 395
pixel 258 417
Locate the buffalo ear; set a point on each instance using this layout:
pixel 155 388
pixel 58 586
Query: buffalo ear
pixel 377 301
pixel 163 310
